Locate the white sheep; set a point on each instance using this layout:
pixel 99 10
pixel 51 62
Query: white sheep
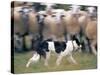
pixel 71 23
pixel 89 26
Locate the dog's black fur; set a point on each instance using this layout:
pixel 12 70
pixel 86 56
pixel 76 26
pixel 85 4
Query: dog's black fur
pixel 41 47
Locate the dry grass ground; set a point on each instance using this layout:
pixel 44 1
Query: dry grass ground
pixel 85 61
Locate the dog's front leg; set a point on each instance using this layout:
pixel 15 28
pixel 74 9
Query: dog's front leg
pixel 47 58
pixel 29 62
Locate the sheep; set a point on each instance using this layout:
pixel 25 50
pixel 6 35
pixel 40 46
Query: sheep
pixel 91 33
pixel 25 21
pixel 18 27
pixel 86 19
pixel 71 24
pixel 83 19
pixel 49 23
pixel 92 11
pixel 91 29
pixel 53 27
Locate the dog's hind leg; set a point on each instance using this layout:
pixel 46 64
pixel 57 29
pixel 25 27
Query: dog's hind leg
pixel 71 59
pixel 58 61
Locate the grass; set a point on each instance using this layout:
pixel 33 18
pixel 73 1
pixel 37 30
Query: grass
pixel 85 61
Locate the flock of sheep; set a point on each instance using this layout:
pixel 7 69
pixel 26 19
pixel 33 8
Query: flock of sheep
pixel 55 24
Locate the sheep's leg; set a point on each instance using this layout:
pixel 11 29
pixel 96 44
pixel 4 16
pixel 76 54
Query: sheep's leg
pixel 71 59
pixel 78 37
pixel 24 44
pixel 86 45
pixel 18 44
pixel 68 37
pixel 47 58
pixel 93 48
pixel 84 41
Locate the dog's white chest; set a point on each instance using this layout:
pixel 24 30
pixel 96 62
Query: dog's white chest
pixel 51 46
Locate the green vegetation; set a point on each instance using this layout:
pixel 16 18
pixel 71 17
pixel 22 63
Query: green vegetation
pixel 85 61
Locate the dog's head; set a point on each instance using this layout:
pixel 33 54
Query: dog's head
pixel 77 47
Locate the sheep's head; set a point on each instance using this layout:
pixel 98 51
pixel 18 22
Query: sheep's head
pixel 40 16
pixel 75 9
pixel 91 11
pixel 58 14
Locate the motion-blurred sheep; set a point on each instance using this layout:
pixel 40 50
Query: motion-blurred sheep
pixel 53 26
pixel 71 23
pixel 25 21
pixel 88 23
pixel 91 33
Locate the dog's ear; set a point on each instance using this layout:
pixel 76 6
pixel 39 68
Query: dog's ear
pixel 76 39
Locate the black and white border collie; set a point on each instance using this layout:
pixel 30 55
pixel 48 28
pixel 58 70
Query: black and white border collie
pixel 62 49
